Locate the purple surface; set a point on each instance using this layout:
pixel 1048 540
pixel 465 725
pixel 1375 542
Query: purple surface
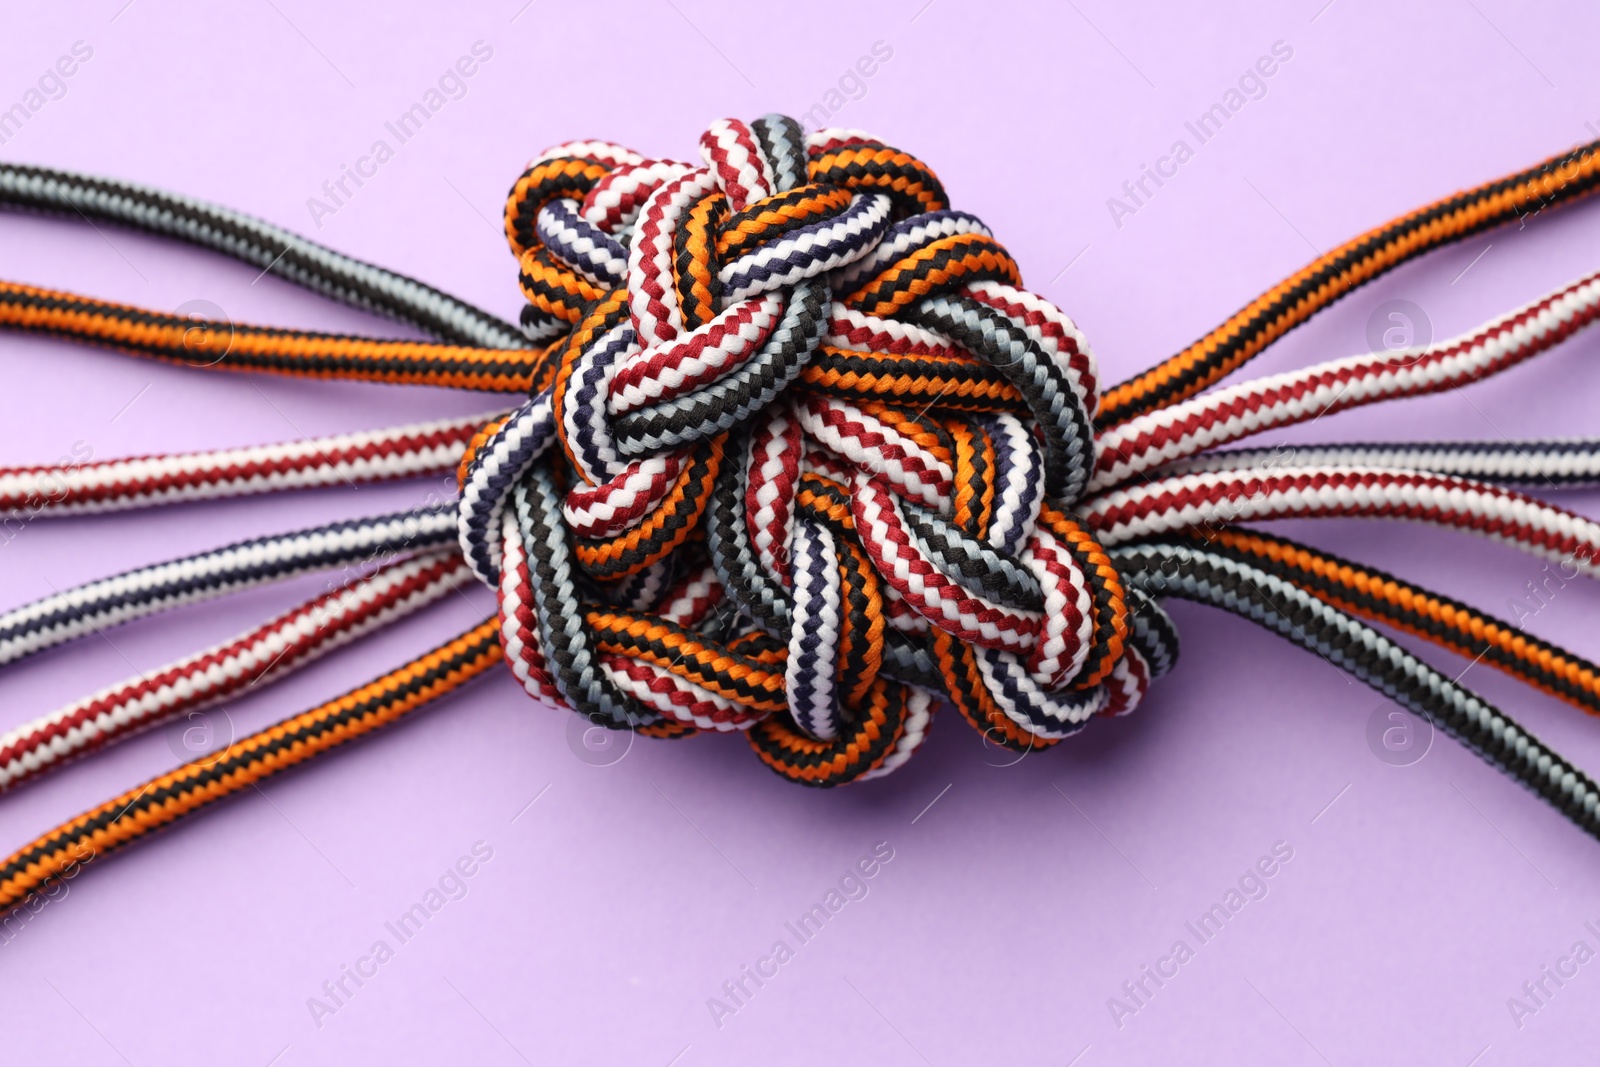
pixel 1019 899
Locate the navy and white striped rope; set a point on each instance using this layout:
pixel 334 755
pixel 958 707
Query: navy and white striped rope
pixel 107 602
pixel 495 469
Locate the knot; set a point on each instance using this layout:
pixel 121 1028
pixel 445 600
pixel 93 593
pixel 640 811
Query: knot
pixel 800 454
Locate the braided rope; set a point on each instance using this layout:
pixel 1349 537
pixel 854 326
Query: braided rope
pixel 1572 463
pixel 169 797
pixel 107 602
pixel 227 346
pixel 794 376
pixel 1555 182
pixel 902 484
pixel 1214 498
pixel 258 243
pixel 418 450
pixel 257 657
pixel 1166 570
pixel 1461 628
pixel 1293 613
pixel 1181 430
pixel 801 457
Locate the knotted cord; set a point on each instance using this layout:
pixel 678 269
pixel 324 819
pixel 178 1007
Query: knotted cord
pixel 800 459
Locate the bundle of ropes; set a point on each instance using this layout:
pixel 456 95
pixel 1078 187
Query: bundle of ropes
pixel 799 457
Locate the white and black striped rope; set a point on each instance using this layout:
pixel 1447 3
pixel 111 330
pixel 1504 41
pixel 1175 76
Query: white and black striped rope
pixel 499 463
pixel 1562 463
pixel 107 602
pixel 252 659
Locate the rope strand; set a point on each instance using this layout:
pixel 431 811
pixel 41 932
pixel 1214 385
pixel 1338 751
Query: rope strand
pixel 258 243
pixel 1559 180
pixel 255 658
pixel 143 591
pixel 170 797
pixel 1293 613
pixel 418 450
pixel 1567 463
pixel 1374 594
pixel 227 346
pixel 1180 430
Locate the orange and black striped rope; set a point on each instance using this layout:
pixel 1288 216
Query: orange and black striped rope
pixel 1373 594
pixel 169 797
pixel 222 345
pixel 1558 180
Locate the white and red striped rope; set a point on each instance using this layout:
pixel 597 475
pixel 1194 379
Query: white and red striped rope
pixel 1224 415
pixel 262 655
pixel 417 450
pixel 1215 498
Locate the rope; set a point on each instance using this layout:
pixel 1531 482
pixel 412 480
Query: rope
pixel 922 500
pixel 801 459
pixel 260 244
pixel 1461 628
pixel 1572 463
pixel 136 594
pixel 414 451
pixel 1213 498
pixel 1168 570
pixel 1181 430
pixel 1352 646
pixel 266 653
pixel 169 797
pixel 748 351
pixel 228 346
pixel 1557 181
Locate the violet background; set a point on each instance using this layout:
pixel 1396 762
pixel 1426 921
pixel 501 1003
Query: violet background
pixel 618 903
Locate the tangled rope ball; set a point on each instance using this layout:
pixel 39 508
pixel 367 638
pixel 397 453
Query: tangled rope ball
pixel 799 457
pixel 801 453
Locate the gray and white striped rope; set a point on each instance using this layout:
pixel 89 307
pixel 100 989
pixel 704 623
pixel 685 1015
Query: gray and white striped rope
pixel 1217 579
pixel 1562 463
pixel 259 243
